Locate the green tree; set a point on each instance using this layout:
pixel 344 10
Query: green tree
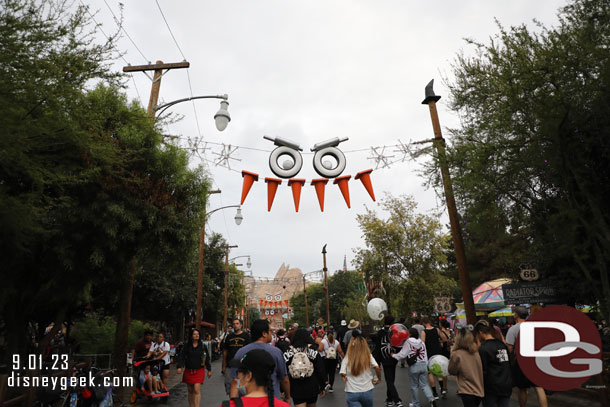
pixel 530 160
pixel 406 252
pixel 89 193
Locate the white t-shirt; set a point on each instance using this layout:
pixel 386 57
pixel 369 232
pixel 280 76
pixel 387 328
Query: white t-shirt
pixel 358 384
pixel 156 348
pixel 328 345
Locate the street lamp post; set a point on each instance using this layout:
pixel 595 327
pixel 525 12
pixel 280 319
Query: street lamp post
pixel 326 287
pixel 238 219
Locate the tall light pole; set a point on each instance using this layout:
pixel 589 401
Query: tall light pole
pixel 238 219
pixel 326 287
pixel 456 232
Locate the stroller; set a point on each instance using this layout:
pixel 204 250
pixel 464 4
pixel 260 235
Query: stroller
pixel 141 389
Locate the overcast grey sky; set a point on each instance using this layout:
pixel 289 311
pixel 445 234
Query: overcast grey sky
pixel 308 71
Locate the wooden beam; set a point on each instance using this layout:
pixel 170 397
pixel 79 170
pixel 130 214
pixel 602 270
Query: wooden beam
pixel 153 67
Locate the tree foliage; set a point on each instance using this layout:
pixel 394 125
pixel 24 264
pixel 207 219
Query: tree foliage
pixel 530 159
pixel 86 182
pixel 407 253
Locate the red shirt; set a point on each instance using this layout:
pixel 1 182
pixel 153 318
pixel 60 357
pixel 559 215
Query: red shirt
pixel 259 402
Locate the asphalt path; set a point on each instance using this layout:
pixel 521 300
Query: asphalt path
pixel 213 393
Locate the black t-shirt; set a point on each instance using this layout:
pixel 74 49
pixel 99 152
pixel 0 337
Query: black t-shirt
pixel 383 347
pixel 306 388
pixel 234 342
pixel 433 342
pixel 496 368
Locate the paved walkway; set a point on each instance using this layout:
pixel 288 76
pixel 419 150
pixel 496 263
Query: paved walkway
pixel 213 393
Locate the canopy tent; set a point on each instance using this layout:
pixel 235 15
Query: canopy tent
pixel 488 296
pixel 502 312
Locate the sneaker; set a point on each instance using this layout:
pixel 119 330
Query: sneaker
pixel 389 404
pixel 327 387
pixel 433 403
pixel 398 404
pixel 330 390
pixel 444 393
pixel 410 404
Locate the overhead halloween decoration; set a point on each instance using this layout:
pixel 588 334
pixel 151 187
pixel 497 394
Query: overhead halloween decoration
pixel 328 161
pixel 329 148
pixel 288 169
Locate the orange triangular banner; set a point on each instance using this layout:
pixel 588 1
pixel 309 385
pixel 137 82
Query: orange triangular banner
pixel 342 182
pixel 320 184
pixel 249 178
pixel 296 185
pixel 365 178
pixel 272 184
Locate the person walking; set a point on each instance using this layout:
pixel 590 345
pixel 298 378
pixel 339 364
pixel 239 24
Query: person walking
pixel 254 372
pixel 233 342
pixel 332 353
pixel 140 349
pixel 341 333
pixel 261 335
pixel 306 370
pixel 353 326
pixel 465 363
pixel 432 338
pixel 356 372
pixel 497 378
pixel 414 350
pixel 195 359
pixel 519 379
pixel 383 355
pixel 447 338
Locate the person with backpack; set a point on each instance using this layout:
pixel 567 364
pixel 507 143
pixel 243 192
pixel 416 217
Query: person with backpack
pixel 195 358
pixel 254 373
pixel 414 350
pixel 332 352
pixel 282 342
pixel 497 374
pixel 465 363
pixel 431 336
pixel 305 370
pixel 356 372
pixel 383 356
pixel 261 336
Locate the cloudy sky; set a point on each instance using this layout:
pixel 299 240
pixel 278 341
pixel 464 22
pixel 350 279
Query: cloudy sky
pixel 306 71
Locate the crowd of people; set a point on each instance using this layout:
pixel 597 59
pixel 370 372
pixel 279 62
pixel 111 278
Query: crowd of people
pixel 299 365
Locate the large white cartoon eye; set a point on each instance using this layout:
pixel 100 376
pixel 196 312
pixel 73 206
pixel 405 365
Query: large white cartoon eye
pixel 278 297
pixel 288 151
pixel 327 168
pixel 271 312
pixel 269 297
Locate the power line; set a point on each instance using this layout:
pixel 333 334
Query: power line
pixel 187 71
pixel 170 30
pixel 120 25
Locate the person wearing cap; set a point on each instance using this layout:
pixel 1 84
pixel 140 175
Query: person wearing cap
pixel 353 325
pixel 255 370
pixel 519 379
pixel 261 336
pixel 341 333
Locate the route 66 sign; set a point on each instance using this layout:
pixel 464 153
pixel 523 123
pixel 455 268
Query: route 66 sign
pixel 442 304
pixel 529 274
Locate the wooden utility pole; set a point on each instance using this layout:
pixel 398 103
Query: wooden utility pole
pixel 126 290
pixel 326 288
pixel 156 81
pixel 199 309
pixel 456 232
pixel 224 319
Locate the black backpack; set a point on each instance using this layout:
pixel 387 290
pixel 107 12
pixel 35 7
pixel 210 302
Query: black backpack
pixel 282 344
pixel 412 359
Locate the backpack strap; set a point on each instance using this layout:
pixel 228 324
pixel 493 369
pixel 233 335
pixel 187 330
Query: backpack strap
pixel 238 402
